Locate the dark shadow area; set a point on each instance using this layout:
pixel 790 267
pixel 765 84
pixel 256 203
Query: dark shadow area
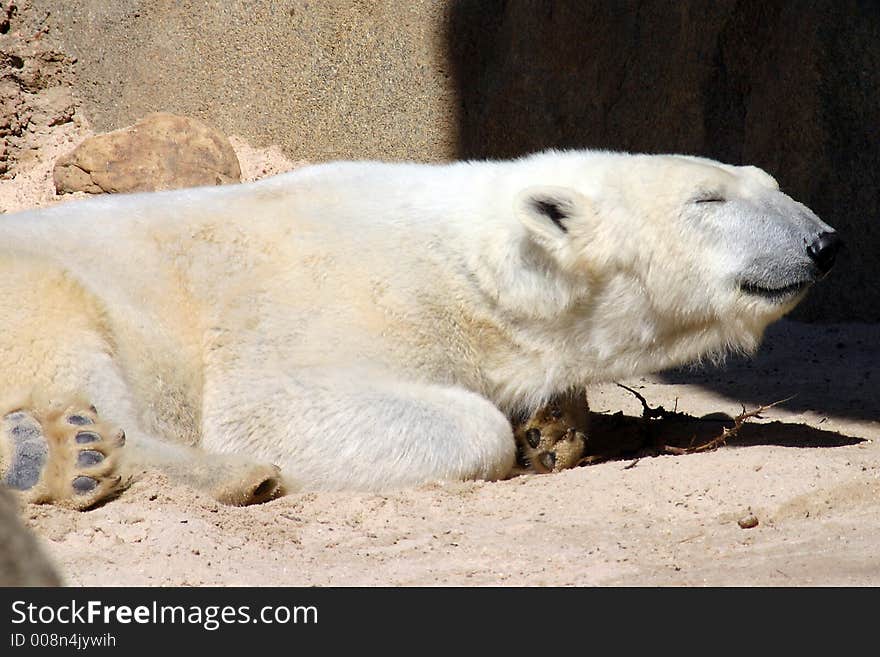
pixel 620 436
pixel 828 369
pixel 788 86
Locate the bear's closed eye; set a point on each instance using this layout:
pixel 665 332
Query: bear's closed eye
pixel 710 198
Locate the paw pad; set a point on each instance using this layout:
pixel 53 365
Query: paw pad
pixel 27 449
pixel 554 437
pixel 533 437
pixel 67 458
pixel 88 458
pixel 86 437
pixel 547 460
pixel 84 485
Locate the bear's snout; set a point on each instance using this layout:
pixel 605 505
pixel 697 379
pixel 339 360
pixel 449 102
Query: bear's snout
pixel 823 250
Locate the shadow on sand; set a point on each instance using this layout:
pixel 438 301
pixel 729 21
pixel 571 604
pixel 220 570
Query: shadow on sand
pixel 830 369
pixel 618 436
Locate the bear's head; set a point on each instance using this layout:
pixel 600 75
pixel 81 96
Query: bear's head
pixel 667 259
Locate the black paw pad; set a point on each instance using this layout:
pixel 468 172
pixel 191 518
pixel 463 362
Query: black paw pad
pixel 548 460
pixel 25 432
pixel 85 437
pixel 84 485
pixel 79 420
pixel 88 458
pixel 29 452
pixel 533 437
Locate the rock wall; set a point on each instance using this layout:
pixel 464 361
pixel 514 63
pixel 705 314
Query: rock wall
pixel 324 79
pixel 35 87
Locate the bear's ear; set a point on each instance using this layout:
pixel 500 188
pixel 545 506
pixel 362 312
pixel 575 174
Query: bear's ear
pixel 550 213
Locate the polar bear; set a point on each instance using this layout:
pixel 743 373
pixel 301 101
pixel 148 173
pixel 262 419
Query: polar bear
pixel 371 325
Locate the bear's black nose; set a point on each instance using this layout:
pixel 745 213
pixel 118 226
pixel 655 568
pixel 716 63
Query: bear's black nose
pixel 823 250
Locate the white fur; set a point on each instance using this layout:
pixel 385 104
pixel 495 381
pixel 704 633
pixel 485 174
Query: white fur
pixel 367 325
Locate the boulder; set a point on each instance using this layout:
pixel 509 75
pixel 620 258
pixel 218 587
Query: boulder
pixel 23 562
pixel 162 151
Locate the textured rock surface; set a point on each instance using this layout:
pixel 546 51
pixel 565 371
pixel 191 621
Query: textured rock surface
pixel 324 80
pixel 22 560
pixel 35 86
pixel 163 151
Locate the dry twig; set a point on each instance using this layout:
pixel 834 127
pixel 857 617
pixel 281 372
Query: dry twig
pixel 738 421
pixel 660 413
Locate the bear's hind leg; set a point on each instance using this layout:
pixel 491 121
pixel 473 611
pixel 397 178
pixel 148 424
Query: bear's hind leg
pixel 57 338
pixel 63 454
pixel 228 478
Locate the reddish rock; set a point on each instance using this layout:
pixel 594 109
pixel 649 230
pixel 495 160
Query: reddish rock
pixel 162 151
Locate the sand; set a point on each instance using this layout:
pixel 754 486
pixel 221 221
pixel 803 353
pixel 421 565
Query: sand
pixel 808 471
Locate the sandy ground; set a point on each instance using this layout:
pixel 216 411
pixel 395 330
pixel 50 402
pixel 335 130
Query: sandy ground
pixel 809 472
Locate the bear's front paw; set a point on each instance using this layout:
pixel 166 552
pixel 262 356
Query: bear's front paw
pixel 554 437
pixel 63 455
